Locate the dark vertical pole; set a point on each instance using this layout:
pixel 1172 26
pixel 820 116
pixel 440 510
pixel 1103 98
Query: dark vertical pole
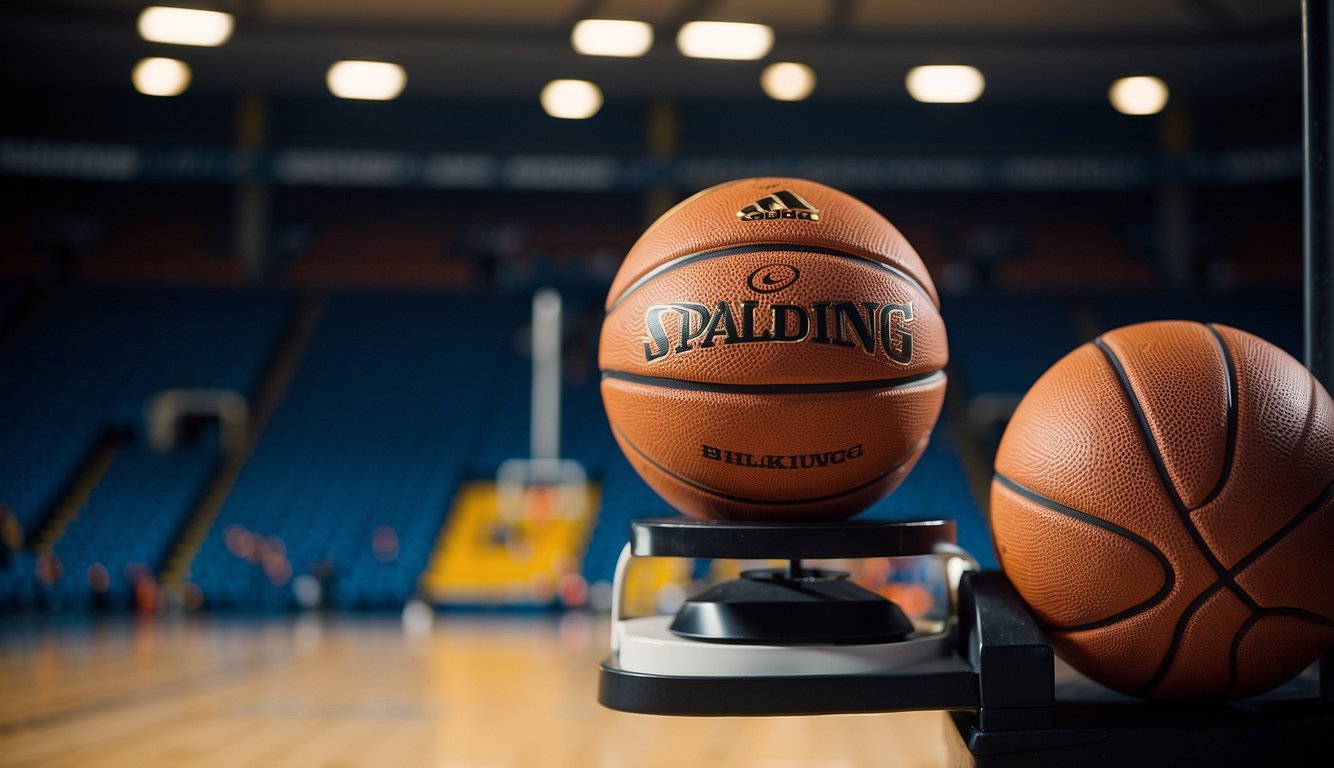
pixel 1318 237
pixel 1318 197
pixel 253 195
pixel 663 137
pixel 1174 199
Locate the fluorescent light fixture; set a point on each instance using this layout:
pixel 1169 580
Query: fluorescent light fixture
pixel 1138 95
pixel 161 77
pixel 369 80
pixel 787 81
pixel 571 99
pixel 185 26
pixel 611 37
pixel 945 84
pixel 725 40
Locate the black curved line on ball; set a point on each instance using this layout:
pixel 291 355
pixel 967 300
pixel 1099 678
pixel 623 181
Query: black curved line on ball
pixel 1325 496
pixel 1296 613
pixel 1169 575
pixel 1234 650
pixel 1146 433
pixel 1233 395
pixel 1227 579
pixel 914 453
pixel 1178 634
pixel 692 258
pixel 1165 479
pixel 906 382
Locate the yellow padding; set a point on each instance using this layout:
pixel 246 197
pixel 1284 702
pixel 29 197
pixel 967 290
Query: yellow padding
pixel 483 559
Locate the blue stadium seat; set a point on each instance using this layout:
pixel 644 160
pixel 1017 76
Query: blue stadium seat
pixel 135 514
pixel 1000 344
pixel 391 402
pixel 86 370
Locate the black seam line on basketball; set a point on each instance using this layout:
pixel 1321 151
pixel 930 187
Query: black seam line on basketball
pixel 775 389
pixel 1151 445
pixel 1296 613
pixel 1228 579
pixel 691 258
pixel 1315 505
pixel 917 449
pixel 1178 633
pixel 1169 575
pixel 1146 432
pixel 1233 395
pixel 1234 650
pixel 1165 480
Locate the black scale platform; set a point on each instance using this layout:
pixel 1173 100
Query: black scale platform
pixel 1000 684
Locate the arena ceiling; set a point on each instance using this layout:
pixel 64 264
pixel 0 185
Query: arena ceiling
pixel 1029 50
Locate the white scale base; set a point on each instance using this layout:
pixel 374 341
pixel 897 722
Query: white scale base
pixel 647 646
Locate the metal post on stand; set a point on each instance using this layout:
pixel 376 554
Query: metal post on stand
pixel 1317 191
pixel 1318 214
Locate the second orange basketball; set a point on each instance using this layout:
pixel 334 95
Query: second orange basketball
pixel 772 350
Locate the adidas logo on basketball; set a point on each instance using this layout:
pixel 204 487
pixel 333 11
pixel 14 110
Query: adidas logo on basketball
pixel 784 204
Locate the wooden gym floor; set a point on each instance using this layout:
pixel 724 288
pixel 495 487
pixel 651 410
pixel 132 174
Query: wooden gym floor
pixel 472 692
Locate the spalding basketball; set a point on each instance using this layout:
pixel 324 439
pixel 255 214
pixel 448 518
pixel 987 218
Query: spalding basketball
pixel 1164 501
pixel 772 350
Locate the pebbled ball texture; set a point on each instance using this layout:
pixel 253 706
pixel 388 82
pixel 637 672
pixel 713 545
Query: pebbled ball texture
pixel 772 350
pixel 1164 502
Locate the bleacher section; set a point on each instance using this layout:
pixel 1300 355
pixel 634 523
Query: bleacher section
pixel 85 371
pixel 164 249
pixel 376 428
pixel 132 519
pixel 90 365
pixel 403 257
pixel 1000 344
pixel 1073 255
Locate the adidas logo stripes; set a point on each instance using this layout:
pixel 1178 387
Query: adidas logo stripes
pixel 784 204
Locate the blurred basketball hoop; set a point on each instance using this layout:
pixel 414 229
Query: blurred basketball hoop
pixel 543 486
pixel 515 542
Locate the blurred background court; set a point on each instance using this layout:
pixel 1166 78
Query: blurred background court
pixel 266 335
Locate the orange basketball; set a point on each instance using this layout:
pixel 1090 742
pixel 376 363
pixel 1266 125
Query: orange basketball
pixel 772 350
pixel 1164 501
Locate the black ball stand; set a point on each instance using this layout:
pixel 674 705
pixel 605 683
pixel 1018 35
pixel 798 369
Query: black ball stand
pixel 791 605
pixel 996 675
pixel 1006 645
